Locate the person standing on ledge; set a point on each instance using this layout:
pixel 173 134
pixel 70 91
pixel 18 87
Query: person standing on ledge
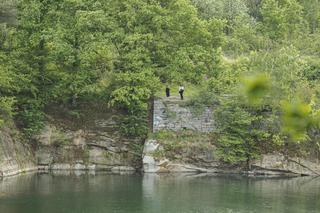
pixel 167 91
pixel 181 91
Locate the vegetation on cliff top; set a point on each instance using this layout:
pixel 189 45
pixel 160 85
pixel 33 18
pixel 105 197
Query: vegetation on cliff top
pixel 257 60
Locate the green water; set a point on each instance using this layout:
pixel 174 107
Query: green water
pixel 104 193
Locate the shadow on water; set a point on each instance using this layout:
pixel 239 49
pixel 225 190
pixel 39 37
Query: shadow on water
pixel 104 192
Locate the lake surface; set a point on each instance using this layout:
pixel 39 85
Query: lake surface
pixel 107 193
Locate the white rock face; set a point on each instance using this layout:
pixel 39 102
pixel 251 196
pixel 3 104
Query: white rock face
pixel 149 163
pixel 91 167
pixel 119 169
pixel 15 157
pixel 150 146
pixel 63 166
pixel 278 163
pixel 152 165
pixel 79 166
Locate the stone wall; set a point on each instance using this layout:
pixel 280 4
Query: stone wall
pixel 174 114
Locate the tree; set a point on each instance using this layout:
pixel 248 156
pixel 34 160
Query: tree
pixel 282 19
pixel 8 79
pixel 254 8
pixel 311 10
pixel 240 132
pixel 70 51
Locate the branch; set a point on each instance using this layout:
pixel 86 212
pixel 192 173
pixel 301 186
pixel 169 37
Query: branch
pixel 304 166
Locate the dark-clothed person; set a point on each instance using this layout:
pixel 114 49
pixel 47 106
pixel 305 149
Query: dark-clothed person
pixel 167 92
pixel 181 91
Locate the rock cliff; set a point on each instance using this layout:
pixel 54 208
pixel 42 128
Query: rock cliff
pixel 182 143
pixel 160 157
pixel 90 143
pixel 15 156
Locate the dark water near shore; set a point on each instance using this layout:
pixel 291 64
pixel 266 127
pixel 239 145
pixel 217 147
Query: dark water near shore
pixel 104 193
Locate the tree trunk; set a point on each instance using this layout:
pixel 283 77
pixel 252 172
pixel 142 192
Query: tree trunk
pixel 249 163
pixel 286 151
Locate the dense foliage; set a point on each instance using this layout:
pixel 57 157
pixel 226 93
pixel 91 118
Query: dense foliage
pixel 267 99
pixel 66 52
pixel 256 60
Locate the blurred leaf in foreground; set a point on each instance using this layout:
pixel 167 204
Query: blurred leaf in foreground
pixel 297 119
pixel 256 88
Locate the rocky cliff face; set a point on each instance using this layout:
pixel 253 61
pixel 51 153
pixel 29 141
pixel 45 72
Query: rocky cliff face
pixel 15 156
pixel 277 163
pixel 91 143
pixel 190 148
pixel 191 157
pixel 200 159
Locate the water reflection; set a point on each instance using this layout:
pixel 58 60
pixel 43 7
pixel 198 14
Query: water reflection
pixel 104 192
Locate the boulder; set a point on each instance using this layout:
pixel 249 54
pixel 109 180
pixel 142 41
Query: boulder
pixel 79 166
pixel 150 165
pixel 62 166
pixel 44 158
pixel 117 169
pixel 150 146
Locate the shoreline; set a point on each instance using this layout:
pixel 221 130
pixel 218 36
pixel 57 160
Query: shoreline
pixel 249 174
